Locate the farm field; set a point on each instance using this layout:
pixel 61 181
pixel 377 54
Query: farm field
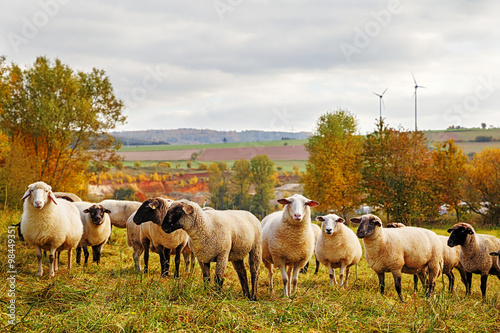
pixel 112 297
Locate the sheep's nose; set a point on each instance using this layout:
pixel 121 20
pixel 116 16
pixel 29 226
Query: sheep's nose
pixel 329 231
pixel 38 204
pixel 297 216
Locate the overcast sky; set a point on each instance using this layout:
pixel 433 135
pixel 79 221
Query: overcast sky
pixel 273 65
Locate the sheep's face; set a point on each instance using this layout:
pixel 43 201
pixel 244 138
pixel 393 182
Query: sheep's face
pixel 39 194
pixel 496 254
pixel 97 213
pixel 368 224
pixel 298 206
pixel 329 223
pixel 175 216
pixel 153 210
pixel 459 233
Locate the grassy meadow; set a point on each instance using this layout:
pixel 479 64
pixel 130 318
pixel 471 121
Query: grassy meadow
pixel 112 297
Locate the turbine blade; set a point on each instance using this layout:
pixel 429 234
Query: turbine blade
pixel 422 87
pixel 414 79
pixel 384 91
pixel 376 94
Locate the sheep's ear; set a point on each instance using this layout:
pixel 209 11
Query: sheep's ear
pixel 470 232
pixel 450 230
pixel 284 201
pixel 107 211
pixel 340 220
pixel 320 219
pixel 26 194
pixel 188 209
pixel 86 211
pixel 52 197
pixel 152 205
pixel 355 220
pixel 312 203
pixel 494 254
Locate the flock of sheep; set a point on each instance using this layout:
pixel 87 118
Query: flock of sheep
pixel 285 239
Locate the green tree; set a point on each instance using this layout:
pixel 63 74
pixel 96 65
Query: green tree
pixel 449 164
pixel 218 183
pixel 60 120
pixel 397 174
pixel 241 180
pixel 263 179
pixel 333 171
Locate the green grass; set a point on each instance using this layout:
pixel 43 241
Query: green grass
pixel 112 297
pixel 214 145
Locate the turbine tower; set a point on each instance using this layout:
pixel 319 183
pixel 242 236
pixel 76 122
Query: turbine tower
pixel 415 94
pixel 380 101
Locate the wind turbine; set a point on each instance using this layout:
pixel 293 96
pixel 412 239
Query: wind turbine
pixel 380 102
pixel 415 94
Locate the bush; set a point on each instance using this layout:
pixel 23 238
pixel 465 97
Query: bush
pixel 481 138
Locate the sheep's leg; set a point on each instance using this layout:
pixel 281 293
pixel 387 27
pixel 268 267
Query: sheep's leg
pixel 451 281
pixel 469 283
pixel 145 246
pixel 463 277
pixel 137 258
pixel 331 271
pixel 187 262
pixel 220 268
pixel 52 259
pixel 284 276
pixel 164 260
pixel 205 271
pixel 56 262
pixel 39 257
pixel 270 268
pixel 484 280
pixel 239 267
pixel 342 277
pixel 289 271
pixel 397 284
pixel 78 254
pixel 415 282
pixel 96 253
pixel 193 260
pixel 304 269
pixel 317 267
pixel 295 277
pixel 434 272
pixel 381 282
pixel 254 260
pixel 177 260
pixel 70 257
pixel 86 254
pixel 347 270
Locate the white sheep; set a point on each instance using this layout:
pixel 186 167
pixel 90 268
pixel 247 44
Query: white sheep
pixel 135 241
pixel 475 250
pixel 154 210
pixel 288 240
pixel 96 230
pixel 337 247
pixel 68 196
pixel 120 210
pixel 220 236
pixel 407 250
pixel 49 223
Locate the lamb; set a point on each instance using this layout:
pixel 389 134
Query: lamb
pixel 451 260
pixel 407 250
pixel 154 210
pixel 220 236
pixel 288 240
pixel 337 246
pixel 49 223
pixel 96 230
pixel 121 210
pixel 474 253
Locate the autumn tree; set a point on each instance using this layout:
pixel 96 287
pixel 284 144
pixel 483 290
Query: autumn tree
pixel 57 120
pixel 218 185
pixel 483 184
pixel 241 180
pixel 263 179
pixel 449 164
pixel 333 171
pixel 397 174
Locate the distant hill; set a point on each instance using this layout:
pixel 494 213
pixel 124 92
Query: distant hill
pixel 184 136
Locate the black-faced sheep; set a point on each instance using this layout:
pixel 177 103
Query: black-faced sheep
pixel 49 223
pixel 96 230
pixel 288 240
pixel 337 247
pixel 475 252
pixel 407 250
pixel 220 236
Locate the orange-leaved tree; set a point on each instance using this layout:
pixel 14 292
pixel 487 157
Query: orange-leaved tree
pixel 333 170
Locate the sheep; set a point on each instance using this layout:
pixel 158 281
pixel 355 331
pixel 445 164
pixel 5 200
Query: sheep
pixel 96 230
pixel 154 210
pixel 407 250
pixel 496 254
pixel 220 236
pixel 474 253
pixel 120 210
pixel 288 240
pixel 450 260
pixel 337 246
pixel 68 196
pixel 49 223
pixel 317 230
